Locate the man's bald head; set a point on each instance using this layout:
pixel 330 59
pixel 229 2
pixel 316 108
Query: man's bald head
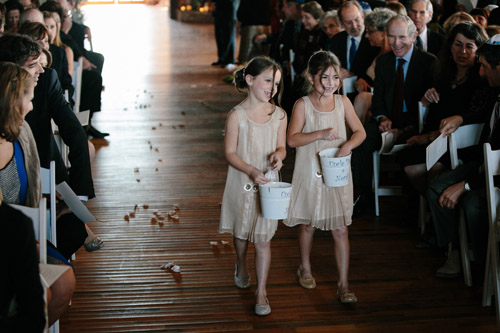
pixel 31 15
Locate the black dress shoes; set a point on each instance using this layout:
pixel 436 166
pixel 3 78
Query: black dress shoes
pixel 96 134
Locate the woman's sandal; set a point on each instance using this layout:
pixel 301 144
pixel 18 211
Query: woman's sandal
pixel 94 245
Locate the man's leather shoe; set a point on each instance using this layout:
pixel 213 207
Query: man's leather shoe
pixel 93 132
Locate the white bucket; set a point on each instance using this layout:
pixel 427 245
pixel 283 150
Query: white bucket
pixel 335 170
pixel 275 200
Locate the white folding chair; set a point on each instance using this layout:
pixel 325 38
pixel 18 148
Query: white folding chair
pixel 77 82
pixel 379 190
pixel 492 273
pixel 39 218
pixel 464 136
pixel 348 85
pixel 48 177
pixel 390 190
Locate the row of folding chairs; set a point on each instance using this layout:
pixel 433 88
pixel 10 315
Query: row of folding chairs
pixel 40 226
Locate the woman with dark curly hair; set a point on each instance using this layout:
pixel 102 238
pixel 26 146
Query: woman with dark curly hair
pixel 458 95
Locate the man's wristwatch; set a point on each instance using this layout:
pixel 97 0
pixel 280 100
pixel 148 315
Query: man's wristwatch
pixel 466 186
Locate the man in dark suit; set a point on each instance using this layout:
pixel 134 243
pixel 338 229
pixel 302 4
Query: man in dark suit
pixel 465 185
pixel 401 79
pixel 421 13
pixel 351 46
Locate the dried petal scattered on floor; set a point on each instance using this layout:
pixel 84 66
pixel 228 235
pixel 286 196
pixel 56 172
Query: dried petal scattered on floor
pixel 171 266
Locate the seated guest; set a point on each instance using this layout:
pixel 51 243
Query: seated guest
pixel 91 78
pixel 480 16
pixel 13 11
pixel 375 23
pixel 2 19
pixel 493 30
pixel 280 45
pixel 494 18
pixel 19 164
pixel 421 14
pixel 28 4
pixel 455 19
pixel 21 281
pixel 282 42
pixel 351 46
pixel 464 186
pixel 30 15
pixel 401 79
pixel 311 38
pixel 396 7
pixel 40 34
pixel 330 24
pixel 459 92
pixel 53 23
pixel 49 104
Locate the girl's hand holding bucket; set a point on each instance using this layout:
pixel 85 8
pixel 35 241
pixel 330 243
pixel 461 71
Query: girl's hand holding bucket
pixel 275 161
pixel 258 177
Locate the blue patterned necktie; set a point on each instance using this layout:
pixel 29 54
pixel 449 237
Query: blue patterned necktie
pixel 352 52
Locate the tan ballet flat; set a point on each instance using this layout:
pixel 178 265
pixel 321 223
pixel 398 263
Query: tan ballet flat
pixel 242 283
pixel 262 309
pixel 347 297
pixel 308 283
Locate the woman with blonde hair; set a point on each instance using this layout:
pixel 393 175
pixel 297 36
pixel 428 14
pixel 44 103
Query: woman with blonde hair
pixel 53 24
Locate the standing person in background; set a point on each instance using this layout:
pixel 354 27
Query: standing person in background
pixel 254 18
pixel 225 30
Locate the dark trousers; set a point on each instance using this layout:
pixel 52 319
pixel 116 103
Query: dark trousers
pixel 91 91
pixel 362 157
pixel 446 220
pixel 71 234
pixel 225 37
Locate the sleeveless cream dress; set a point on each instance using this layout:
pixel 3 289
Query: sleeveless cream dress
pixel 313 203
pixel 241 213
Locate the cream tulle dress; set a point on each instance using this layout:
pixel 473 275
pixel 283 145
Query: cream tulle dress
pixel 313 203
pixel 241 214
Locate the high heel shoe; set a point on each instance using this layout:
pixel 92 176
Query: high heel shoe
pixel 94 245
pixel 242 283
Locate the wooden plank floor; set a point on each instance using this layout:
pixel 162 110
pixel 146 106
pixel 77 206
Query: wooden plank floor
pixel 165 108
